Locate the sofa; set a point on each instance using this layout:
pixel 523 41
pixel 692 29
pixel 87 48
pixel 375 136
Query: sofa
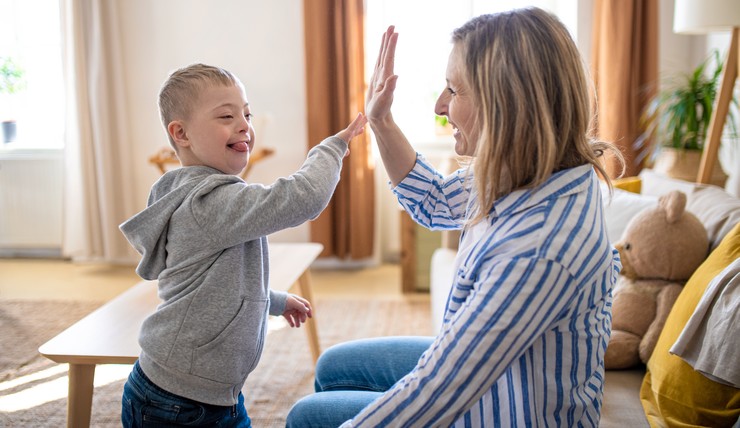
pixel 715 208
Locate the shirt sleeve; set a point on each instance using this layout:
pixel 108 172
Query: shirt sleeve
pixel 505 311
pixel 434 201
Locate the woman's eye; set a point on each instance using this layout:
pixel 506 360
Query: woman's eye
pixel 452 92
pixel 248 116
pixel 227 116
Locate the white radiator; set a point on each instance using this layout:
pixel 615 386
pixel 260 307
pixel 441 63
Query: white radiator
pixel 31 201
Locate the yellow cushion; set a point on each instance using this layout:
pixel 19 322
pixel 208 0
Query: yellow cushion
pixel 672 392
pixel 630 184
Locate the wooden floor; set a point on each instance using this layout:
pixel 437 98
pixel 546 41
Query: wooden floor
pixel 58 279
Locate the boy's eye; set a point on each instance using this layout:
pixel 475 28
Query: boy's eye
pixel 227 116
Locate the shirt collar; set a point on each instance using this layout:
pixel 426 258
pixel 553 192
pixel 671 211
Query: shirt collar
pixel 562 183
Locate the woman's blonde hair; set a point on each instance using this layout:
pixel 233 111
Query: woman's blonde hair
pixel 180 91
pixel 532 90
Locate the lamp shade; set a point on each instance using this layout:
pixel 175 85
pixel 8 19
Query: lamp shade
pixel 705 16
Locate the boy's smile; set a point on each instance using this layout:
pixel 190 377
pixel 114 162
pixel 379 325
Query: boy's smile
pixel 219 131
pixel 241 146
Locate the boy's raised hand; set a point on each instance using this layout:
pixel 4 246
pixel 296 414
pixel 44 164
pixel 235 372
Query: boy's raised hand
pixel 354 129
pixel 297 310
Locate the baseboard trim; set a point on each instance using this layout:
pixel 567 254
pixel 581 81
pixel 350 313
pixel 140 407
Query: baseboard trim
pixel 31 253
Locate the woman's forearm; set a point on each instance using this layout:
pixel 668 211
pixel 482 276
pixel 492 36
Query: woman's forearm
pixel 395 150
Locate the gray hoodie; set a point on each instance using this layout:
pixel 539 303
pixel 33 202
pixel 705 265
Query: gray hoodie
pixel 203 237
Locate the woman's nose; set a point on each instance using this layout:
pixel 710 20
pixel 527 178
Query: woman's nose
pixel 440 107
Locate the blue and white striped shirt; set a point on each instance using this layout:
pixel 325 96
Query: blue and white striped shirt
pixel 529 313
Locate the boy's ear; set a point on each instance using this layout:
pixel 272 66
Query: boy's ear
pixel 178 134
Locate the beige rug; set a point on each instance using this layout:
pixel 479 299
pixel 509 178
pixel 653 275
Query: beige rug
pixel 33 389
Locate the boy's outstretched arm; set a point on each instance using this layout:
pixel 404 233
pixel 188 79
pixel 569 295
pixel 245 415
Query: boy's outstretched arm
pixel 297 310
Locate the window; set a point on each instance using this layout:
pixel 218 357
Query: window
pixel 30 40
pixel 424 28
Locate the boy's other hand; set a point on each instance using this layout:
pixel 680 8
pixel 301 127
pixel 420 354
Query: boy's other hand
pixel 297 310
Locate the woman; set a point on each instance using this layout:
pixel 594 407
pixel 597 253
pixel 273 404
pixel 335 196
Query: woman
pixel 528 317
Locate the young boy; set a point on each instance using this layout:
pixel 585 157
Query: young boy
pixel 203 236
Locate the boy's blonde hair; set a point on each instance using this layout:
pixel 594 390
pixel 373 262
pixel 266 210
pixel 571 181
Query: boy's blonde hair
pixel 180 91
pixel 532 90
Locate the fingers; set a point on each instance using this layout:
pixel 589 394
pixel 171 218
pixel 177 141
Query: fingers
pixel 389 59
pixel 301 299
pixel 355 128
pixel 384 45
pixel 358 125
pixel 299 305
pixel 385 63
pixel 383 81
pixel 296 317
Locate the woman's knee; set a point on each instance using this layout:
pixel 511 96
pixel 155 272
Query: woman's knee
pixel 335 365
pixel 328 409
pixel 368 364
pixel 299 415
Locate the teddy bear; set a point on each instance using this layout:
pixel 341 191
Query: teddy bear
pixel 660 248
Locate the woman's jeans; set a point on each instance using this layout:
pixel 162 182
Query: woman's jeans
pixel 349 376
pixel 147 405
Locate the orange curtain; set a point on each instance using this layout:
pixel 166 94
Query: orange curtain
pixel 335 81
pixel 625 69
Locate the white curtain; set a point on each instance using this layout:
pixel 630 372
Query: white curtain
pixel 98 189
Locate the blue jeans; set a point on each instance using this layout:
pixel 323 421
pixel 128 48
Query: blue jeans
pixel 144 404
pixel 349 376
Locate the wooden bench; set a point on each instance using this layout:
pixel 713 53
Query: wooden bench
pixel 110 334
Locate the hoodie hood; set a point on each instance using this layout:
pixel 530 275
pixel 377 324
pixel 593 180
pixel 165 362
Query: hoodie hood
pixel 147 230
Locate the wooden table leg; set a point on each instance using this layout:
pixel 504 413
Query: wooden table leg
pixel 304 284
pixel 79 398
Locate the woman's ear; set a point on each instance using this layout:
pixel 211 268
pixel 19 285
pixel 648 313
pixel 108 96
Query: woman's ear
pixel 178 134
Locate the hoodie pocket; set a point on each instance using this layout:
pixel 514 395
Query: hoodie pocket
pixel 236 350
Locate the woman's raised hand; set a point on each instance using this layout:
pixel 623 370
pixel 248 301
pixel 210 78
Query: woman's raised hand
pixel 383 82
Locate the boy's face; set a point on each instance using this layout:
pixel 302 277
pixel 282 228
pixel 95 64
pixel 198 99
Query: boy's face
pixel 218 132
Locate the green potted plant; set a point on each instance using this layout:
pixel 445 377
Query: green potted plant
pixel 677 121
pixel 12 81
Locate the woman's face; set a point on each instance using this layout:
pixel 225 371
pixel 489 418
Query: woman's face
pixel 456 102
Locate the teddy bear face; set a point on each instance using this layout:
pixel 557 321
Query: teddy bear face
pixel 665 242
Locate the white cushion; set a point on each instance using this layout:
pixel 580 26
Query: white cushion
pixel 442 271
pixel 656 184
pixel 717 210
pixel 620 208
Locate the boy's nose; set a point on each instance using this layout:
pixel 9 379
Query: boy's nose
pixel 244 125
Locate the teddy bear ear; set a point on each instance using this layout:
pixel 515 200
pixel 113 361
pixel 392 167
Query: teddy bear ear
pixel 674 204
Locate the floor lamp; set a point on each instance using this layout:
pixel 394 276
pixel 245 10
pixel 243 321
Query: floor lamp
pixel 708 16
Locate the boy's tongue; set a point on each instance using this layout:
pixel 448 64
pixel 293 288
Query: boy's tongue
pixel 239 147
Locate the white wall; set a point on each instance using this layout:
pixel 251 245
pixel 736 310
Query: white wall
pixel 260 41
pixel 680 53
